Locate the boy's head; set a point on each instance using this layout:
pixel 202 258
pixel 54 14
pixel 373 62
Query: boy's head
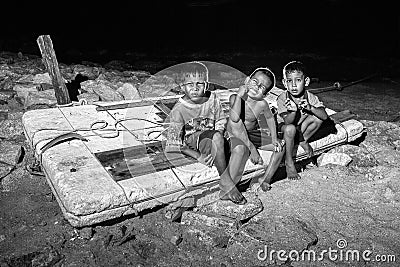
pixel 194 80
pixel 295 78
pixel 261 81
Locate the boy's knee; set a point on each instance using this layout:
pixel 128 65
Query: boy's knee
pixel 289 130
pixel 318 121
pixel 218 139
pixel 239 150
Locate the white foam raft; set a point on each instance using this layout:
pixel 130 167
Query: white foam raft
pixel 87 190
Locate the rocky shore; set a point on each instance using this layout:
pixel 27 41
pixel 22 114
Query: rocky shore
pixel 351 205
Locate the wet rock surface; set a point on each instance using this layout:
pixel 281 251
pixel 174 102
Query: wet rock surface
pixel 357 203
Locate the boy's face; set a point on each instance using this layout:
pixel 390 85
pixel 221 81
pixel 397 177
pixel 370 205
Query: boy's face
pixel 194 86
pixel 295 82
pixel 259 86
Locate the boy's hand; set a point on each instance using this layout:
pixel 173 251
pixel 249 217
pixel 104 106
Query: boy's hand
pixel 290 105
pixel 303 104
pixel 255 157
pixel 206 160
pixel 243 90
pixel 278 145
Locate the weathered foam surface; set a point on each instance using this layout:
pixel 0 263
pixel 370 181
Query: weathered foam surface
pixel 86 191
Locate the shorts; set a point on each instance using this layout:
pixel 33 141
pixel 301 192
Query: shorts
pixel 201 141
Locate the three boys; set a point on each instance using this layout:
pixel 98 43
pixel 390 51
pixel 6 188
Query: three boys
pixel 197 124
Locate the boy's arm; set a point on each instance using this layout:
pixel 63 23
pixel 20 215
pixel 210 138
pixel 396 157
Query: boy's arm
pixel 239 130
pixel 204 159
pixel 315 107
pixel 235 102
pixel 220 118
pixel 269 117
pixel 319 112
pixel 286 109
pixel 271 123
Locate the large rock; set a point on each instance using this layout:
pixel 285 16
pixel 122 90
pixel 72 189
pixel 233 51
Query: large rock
pixel 90 72
pixel 129 92
pixel 46 97
pixel 380 135
pixel 209 230
pixel 383 140
pixel 89 98
pixel 10 152
pixel 258 241
pixel 231 210
pixel 5 169
pixel 23 90
pixel 360 155
pixel 103 89
pixel 334 158
pixel 159 85
pixel 12 127
pixel 42 78
pixel 35 79
pixel 6 95
pixel 201 220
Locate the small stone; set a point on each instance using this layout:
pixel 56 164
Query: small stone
pixel 7 95
pixel 3 115
pixel 221 241
pixel 107 240
pixel 47 257
pixel 86 232
pixel 176 239
pixel 389 193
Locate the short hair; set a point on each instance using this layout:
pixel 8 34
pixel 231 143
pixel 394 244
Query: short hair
pixel 267 72
pixel 194 67
pixel 294 66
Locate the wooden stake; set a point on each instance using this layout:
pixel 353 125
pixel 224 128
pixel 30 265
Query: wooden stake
pixel 50 61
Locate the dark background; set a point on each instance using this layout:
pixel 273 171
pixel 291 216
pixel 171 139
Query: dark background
pixel 103 31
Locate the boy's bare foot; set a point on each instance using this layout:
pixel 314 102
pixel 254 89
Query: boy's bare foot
pixel 292 173
pixel 255 157
pixel 265 185
pixel 307 148
pixel 233 195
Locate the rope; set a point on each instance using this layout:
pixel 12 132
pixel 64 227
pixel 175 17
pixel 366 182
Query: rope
pixel 339 87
